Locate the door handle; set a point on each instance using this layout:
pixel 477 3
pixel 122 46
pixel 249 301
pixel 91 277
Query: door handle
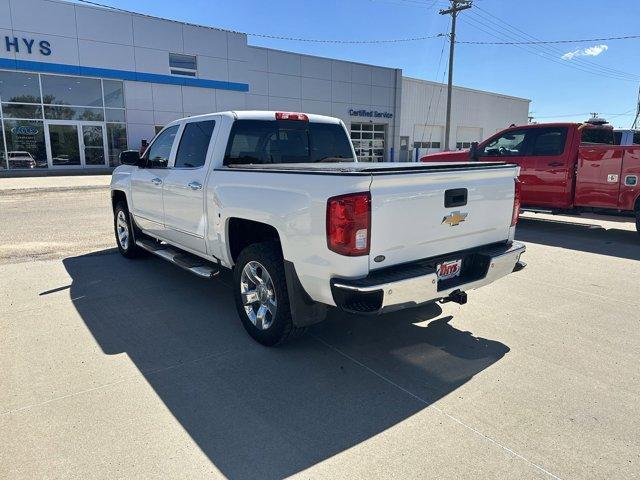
pixel 195 186
pixel 556 164
pixel 156 181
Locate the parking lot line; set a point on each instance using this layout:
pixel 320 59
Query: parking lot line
pixel 434 407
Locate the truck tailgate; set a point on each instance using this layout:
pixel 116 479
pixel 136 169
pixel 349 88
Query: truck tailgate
pixel 409 220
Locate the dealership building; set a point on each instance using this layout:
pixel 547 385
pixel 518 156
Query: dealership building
pixel 80 83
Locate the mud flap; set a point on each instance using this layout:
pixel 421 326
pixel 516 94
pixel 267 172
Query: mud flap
pixel 304 310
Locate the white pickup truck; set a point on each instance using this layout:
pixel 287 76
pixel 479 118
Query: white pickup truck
pixel 280 198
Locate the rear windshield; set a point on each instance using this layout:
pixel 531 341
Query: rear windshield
pixel 603 136
pixel 286 141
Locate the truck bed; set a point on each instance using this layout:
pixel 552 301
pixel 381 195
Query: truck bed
pixel 366 168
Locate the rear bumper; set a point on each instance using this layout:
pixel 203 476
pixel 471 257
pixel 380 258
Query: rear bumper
pixel 412 284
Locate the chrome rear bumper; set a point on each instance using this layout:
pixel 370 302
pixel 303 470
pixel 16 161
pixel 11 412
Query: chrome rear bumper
pixel 408 285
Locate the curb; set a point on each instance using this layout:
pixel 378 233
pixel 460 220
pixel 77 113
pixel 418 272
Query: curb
pixel 14 191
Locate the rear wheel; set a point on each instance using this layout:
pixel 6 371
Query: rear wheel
pixel 124 231
pixel 261 296
pixel 638 220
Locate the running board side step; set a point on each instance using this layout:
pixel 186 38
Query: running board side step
pixel 191 263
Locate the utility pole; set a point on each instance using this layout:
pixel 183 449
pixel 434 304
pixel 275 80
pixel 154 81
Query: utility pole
pixel 456 6
pixel 635 122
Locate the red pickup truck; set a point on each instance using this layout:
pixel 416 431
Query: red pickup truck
pixel 564 167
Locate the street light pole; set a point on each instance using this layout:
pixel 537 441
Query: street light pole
pixel 456 6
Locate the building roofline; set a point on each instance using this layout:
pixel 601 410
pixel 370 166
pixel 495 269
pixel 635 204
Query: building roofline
pixel 474 90
pixel 324 58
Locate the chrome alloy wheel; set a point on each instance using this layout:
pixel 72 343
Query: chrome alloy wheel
pixel 122 229
pixel 258 295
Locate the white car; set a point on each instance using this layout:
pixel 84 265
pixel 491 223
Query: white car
pixel 20 159
pixel 281 199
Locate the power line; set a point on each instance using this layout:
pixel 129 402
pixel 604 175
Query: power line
pixel 500 34
pixel 568 115
pixel 433 93
pixel 373 41
pixel 280 37
pixel 544 42
pixel 319 40
pixel 553 50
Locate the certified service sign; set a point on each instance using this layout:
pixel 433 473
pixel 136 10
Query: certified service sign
pixel 369 113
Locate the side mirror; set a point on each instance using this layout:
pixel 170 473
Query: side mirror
pixel 130 157
pixel 473 151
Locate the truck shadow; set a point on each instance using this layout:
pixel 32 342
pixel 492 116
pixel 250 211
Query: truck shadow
pixel 586 237
pixel 269 413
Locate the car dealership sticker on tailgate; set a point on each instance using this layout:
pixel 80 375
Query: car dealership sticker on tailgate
pixel 449 269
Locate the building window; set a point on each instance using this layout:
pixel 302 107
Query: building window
pixel 59 90
pixel 461 145
pixel 3 158
pixel 25 143
pixel 33 106
pixel 369 141
pixel 180 64
pixel 426 144
pixel 18 87
pixel 116 142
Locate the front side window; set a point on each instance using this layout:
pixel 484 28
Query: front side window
pixel 194 143
pixel 285 141
pixel 508 144
pixel 157 155
pixel 549 141
pixel 636 138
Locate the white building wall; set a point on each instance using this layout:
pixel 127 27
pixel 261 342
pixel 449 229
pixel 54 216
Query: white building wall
pixel 475 114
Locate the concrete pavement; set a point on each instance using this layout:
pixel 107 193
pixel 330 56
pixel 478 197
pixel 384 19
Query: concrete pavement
pixel 135 369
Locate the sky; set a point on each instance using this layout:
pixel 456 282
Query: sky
pixel 565 82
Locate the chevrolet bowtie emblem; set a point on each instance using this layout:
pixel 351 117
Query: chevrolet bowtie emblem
pixel 455 218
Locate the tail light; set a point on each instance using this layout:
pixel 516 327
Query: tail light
pixel 349 224
pixel 516 204
pixel 292 116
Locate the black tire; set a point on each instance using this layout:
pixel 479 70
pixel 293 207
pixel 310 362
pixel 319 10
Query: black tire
pixel 278 328
pixel 638 221
pixel 127 248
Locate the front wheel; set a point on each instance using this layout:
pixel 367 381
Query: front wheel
pixel 638 221
pixel 261 295
pixel 123 228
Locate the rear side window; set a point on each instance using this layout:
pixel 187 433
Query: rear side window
pixel 192 151
pixel 158 153
pixel 602 136
pixel 617 138
pixel 636 138
pixel 286 141
pixel 549 141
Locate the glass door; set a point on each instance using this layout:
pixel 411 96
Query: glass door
pixel 93 145
pixel 76 144
pixel 64 145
